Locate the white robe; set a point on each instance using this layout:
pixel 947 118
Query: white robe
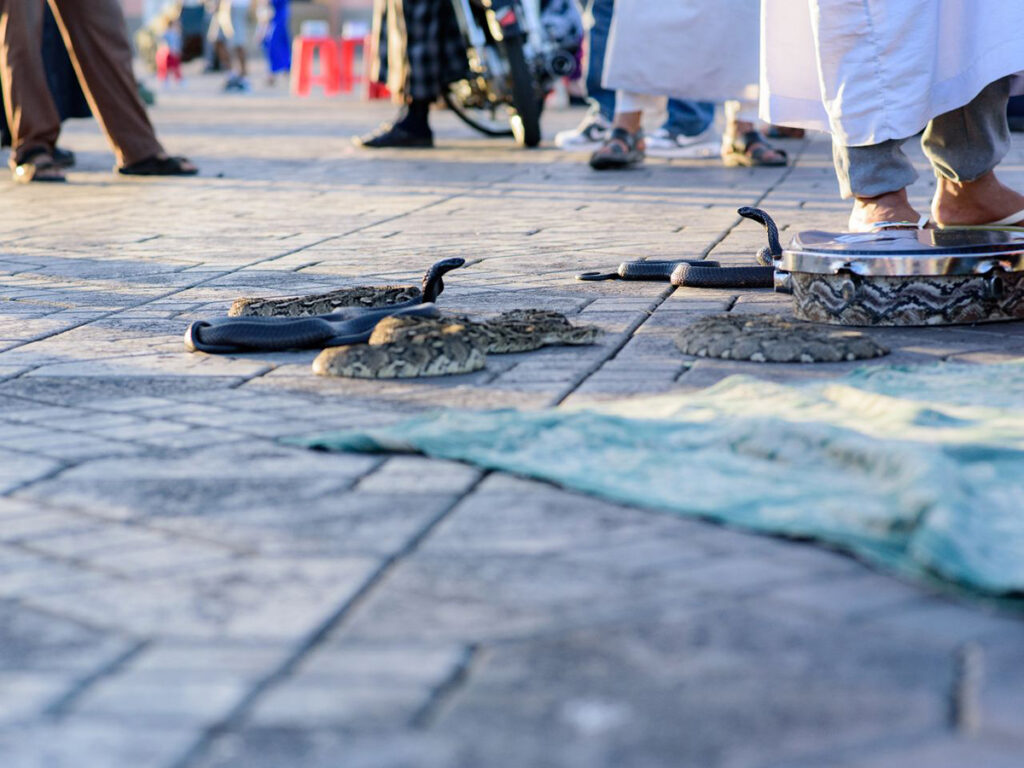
pixel 687 49
pixel 872 70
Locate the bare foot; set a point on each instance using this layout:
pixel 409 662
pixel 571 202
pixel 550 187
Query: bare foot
pixel 892 206
pixel 982 201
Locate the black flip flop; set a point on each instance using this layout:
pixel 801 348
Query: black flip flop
pixel 158 166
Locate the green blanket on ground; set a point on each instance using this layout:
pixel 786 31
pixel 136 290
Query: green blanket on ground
pixel 920 470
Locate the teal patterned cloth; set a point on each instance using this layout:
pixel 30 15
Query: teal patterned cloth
pixel 919 470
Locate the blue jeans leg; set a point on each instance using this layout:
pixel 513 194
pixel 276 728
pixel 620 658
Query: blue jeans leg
pixel 597 43
pixel 689 117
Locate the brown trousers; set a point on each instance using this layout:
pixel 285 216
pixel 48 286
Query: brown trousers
pixel 95 35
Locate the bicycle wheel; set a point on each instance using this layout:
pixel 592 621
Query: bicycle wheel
pixel 492 120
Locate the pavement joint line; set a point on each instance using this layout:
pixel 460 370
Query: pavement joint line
pixel 161 297
pixel 258 375
pixel 67 701
pixel 965 696
pixel 625 337
pixel 443 693
pixel 33 229
pixel 53 473
pixel 134 523
pixel 107 315
pixel 860 753
pixel 426 206
pixel 314 639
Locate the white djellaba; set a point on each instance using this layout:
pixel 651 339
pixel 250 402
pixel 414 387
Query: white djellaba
pixel 705 50
pixel 872 70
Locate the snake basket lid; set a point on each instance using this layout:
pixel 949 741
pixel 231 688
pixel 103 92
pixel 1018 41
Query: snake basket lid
pixel 906 252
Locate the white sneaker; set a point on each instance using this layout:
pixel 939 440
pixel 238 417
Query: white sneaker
pixel 588 135
pixel 664 143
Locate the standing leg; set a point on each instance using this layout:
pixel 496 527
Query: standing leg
pixel 682 133
pixel 31 113
pixel 601 12
pixel 624 147
pixel 240 39
pixel 877 177
pixel 742 143
pixel 689 118
pixel 964 147
pixel 595 127
pixel 94 32
pixel 422 58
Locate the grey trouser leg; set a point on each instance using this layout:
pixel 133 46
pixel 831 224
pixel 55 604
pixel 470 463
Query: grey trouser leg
pixel 967 143
pixel 962 145
pixel 872 170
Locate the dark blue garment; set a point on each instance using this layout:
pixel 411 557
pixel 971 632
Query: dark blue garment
pixel 684 116
pixel 60 76
pixel 276 44
pixel 60 73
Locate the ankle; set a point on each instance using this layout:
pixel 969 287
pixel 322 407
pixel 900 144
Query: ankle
pixel 415 117
pixel 630 122
pixel 888 207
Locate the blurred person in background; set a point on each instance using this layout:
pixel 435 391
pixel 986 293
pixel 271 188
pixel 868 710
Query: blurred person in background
pixel 60 76
pixel 422 52
pixel 276 45
pixel 690 49
pixel 686 132
pixel 95 37
pixel 233 22
pixel 168 52
pixel 422 55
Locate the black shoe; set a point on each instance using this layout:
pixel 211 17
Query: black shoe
pixel 395 136
pixel 63 158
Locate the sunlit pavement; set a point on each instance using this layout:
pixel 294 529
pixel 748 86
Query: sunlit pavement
pixel 179 590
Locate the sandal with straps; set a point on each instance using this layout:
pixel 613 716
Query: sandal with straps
pixel 750 150
pixel 38 165
pixel 621 149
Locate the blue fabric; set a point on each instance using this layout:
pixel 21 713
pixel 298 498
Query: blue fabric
pixel 276 44
pixel 686 117
pixel 917 470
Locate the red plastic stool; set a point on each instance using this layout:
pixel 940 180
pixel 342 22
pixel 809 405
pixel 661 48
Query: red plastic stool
pixel 347 49
pixel 303 77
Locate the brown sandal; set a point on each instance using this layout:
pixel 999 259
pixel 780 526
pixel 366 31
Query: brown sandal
pixel 621 149
pixel 751 149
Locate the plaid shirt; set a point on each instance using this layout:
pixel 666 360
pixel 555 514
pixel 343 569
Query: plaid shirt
pixel 422 51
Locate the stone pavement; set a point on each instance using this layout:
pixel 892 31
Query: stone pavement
pixel 178 590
